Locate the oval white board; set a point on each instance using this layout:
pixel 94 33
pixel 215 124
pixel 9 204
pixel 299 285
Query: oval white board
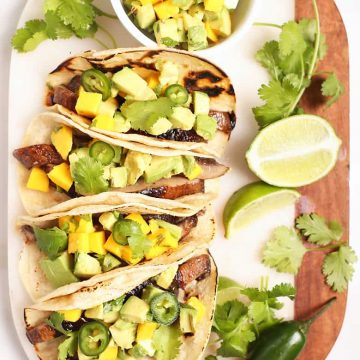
pixel 238 258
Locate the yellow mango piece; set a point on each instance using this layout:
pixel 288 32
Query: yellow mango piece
pixel 140 220
pixel 110 353
pixel 60 175
pixel 153 81
pixel 155 251
pixel 62 139
pixel 38 180
pixel 97 242
pixel 210 32
pixel 78 242
pixel 88 103
pixel 163 237
pixel 67 221
pixel 108 107
pixel 71 315
pixel 166 10
pixel 145 2
pixel 85 225
pixel 145 331
pixel 153 225
pixel 126 254
pixel 199 306
pixel 213 5
pixel 103 121
pixel 113 247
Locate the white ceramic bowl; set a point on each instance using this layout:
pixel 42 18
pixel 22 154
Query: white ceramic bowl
pixel 242 18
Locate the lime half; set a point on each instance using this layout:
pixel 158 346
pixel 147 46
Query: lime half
pixel 228 290
pixel 295 151
pixel 252 202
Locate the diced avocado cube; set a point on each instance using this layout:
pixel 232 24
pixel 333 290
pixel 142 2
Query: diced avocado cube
pixel 158 126
pixel 169 72
pixel 197 11
pixel 136 163
pixel 86 266
pixel 150 292
pixel 88 103
pixel 145 16
pixel 183 4
pixel 201 103
pixel 213 5
pixel 220 21
pixel 182 118
pixel 121 124
pixel 197 37
pixel 174 230
pixel 122 355
pixel 189 21
pixel 58 271
pixel 123 333
pixel 187 319
pixel 108 107
pixel 107 220
pixel 112 310
pixel 159 168
pixel 96 312
pixel 192 169
pixel 110 262
pixel 118 153
pixel 134 310
pixel 205 126
pixel 166 278
pixel 166 32
pixel 143 349
pixel 118 177
pixel 181 30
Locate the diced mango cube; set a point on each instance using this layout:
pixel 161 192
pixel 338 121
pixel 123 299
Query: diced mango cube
pixel 213 5
pixel 108 107
pixel 110 353
pixel 145 2
pixel 38 180
pixel 166 10
pixel 145 228
pixel 210 32
pixel 61 176
pixel 79 242
pixel 68 223
pixel 62 139
pixel 85 224
pixel 104 121
pixel 155 251
pixel 198 305
pixel 97 242
pixel 153 81
pixel 145 331
pixel 163 237
pixel 71 315
pixel 127 255
pixel 112 246
pixel 153 225
pixel 88 103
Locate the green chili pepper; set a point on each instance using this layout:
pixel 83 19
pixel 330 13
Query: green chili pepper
pixel 95 81
pixel 285 340
pixel 102 151
pixel 177 94
pixel 93 338
pixel 165 308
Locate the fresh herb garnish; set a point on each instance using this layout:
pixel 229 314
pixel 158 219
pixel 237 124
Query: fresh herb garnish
pixel 51 241
pixel 62 19
pixel 68 348
pixel 167 342
pixel 291 63
pixel 285 250
pixel 55 320
pixel 139 245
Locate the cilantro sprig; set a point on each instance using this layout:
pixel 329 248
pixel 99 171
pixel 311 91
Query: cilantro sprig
pixel 62 20
pixel 285 250
pixel 291 63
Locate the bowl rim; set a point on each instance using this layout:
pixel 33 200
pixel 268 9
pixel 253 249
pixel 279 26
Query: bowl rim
pixel 138 35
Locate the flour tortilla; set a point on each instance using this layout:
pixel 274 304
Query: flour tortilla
pixel 191 67
pixel 39 203
pixel 192 347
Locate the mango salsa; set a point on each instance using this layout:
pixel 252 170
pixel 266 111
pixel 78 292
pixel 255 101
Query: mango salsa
pixel 155 251
pixel 38 180
pixel 88 103
pixel 210 32
pixel 85 224
pixel 145 331
pixel 199 306
pixel 60 175
pixel 110 353
pixel 71 315
pixel 78 242
pixel 67 221
pixel 97 242
pixel 213 5
pixel 166 10
pixel 113 247
pixel 104 121
pixel 140 220
pixel 153 81
pixel 126 254
pixel 163 237
pixel 62 139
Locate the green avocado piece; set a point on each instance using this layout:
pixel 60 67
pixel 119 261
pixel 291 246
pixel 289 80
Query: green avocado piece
pixel 58 271
pixel 181 30
pixel 183 4
pixel 122 355
pixel 110 262
pixel 112 309
pixel 220 21
pixel 205 126
pixel 123 333
pixel 150 292
pixel 96 312
pixel 118 177
pixel 158 126
pixel 142 349
pixel 121 125
pixel 86 266
pixel 197 11
pixel 162 167
pixel 136 163
pixel 201 103
pixel 191 168
pixel 118 153
pixel 145 16
pixel 174 230
pixel 135 310
pixel 182 118
pixel 166 278
pixel 166 32
pixel 197 37
pixel 187 319
pixel 108 219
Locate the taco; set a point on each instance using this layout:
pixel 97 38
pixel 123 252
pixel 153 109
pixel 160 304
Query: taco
pixel 66 251
pixel 162 98
pixel 64 166
pixel 163 314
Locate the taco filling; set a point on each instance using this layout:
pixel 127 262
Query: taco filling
pixel 76 248
pixel 151 321
pixel 78 165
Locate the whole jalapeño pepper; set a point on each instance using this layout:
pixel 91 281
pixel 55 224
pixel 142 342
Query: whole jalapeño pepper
pixel 286 340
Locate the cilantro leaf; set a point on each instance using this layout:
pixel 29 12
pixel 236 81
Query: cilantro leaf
pixel 284 251
pixel 68 348
pixel 114 305
pixel 291 39
pixel 51 5
pixel 269 58
pixel 283 289
pixel 88 32
pixel 30 36
pixel 139 245
pixel 167 342
pixel 55 320
pixel 262 315
pixel 338 267
pixel 169 42
pixel 333 88
pixel 317 230
pixel 227 315
pixel 211 357
pixel 88 174
pixel 52 241
pixel 55 29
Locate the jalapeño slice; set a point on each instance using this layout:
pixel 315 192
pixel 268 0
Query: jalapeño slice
pixel 93 338
pixel 165 308
pixel 102 151
pixel 95 81
pixel 177 94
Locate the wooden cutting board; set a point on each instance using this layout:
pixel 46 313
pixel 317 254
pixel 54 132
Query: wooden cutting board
pixel 330 196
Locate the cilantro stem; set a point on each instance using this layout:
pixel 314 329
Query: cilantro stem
pixel 327 247
pixel 267 24
pixel 114 44
pixel 103 13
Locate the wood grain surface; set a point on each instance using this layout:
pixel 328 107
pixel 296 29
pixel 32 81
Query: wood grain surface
pixel 330 196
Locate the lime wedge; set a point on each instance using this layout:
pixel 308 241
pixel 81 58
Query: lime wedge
pixel 252 202
pixel 225 282
pixel 228 290
pixel 295 151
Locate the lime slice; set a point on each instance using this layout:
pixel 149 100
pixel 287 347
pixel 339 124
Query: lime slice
pixel 225 282
pixel 228 290
pixel 295 151
pixel 252 202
